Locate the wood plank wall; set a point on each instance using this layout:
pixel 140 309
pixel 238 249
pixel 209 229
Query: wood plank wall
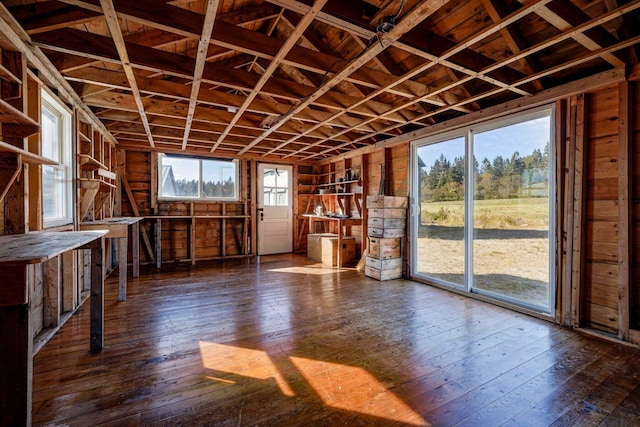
pixel 176 234
pixel 600 286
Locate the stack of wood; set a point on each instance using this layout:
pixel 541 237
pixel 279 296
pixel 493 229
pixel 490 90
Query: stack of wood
pixel 386 229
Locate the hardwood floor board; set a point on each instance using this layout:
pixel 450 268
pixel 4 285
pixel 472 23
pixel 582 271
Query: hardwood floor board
pixel 472 371
pixel 544 399
pixel 609 394
pixel 287 342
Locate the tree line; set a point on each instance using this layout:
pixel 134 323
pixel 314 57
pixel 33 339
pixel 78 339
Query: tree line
pixel 500 178
pixel 189 188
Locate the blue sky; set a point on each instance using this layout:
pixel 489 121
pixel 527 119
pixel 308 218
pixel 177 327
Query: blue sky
pixel 521 137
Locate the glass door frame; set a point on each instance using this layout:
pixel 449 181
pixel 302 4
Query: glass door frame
pixel 469 197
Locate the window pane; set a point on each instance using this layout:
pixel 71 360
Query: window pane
pixel 56 145
pixel 180 177
pixel 50 133
pixel 511 211
pixel 440 242
pixel 53 193
pixel 219 178
pixel 282 178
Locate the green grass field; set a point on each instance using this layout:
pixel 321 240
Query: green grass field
pixel 500 213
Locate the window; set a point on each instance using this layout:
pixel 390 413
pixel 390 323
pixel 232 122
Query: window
pixel 276 187
pixel 57 190
pixel 485 202
pixel 183 177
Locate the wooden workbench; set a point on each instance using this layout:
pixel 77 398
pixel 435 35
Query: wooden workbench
pixel 17 253
pixel 118 228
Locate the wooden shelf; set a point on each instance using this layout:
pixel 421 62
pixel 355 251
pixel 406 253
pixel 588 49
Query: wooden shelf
pixel 17 124
pixel 88 163
pixel 96 183
pixel 7 75
pixel 25 156
pixel 84 137
pixel 331 184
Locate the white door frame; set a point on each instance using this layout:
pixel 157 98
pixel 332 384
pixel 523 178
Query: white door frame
pixel 282 236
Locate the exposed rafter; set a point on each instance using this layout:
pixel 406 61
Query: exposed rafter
pixel 275 62
pixel 114 27
pixel 203 46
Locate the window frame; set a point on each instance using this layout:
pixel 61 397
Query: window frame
pixel 200 197
pixel 50 103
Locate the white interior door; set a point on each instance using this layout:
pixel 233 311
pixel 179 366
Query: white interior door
pixel 275 209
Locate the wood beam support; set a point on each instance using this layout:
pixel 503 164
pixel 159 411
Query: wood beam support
pixel 579 196
pixel 116 33
pixel 410 20
pixel 275 63
pixel 201 58
pixel 625 205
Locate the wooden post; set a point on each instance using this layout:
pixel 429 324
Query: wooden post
pixel 52 297
pixel 97 296
pixel 135 248
pixel 254 217
pixel 69 288
pixel 568 208
pixel 158 240
pixel 122 268
pixel 563 299
pixel 625 205
pixel 578 210
pixel 16 352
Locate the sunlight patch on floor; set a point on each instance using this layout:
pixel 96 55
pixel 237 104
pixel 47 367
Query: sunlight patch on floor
pixel 363 393
pixel 242 361
pixel 319 269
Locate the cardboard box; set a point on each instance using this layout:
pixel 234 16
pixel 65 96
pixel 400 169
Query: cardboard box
pixel 323 247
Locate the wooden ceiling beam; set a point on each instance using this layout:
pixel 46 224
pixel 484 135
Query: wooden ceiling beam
pixel 106 80
pixel 186 23
pixel 100 48
pixel 348 16
pixel 543 45
pixel 51 15
pixel 564 15
pixel 203 45
pixel 512 36
pixel 116 33
pixel 157 107
pixel 587 58
pixel 450 52
pixel 275 63
pixel 408 21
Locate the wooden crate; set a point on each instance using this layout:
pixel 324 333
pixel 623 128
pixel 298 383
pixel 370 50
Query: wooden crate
pixel 323 247
pixel 395 213
pixel 386 223
pixel 383 269
pixel 386 233
pixel 379 202
pixel 384 248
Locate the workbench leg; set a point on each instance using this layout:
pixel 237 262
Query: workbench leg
pixel 16 365
pixel 135 249
pixel 158 243
pixel 122 268
pixel 339 261
pixel 97 297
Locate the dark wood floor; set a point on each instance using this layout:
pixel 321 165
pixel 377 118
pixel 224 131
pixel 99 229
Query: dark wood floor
pixel 286 342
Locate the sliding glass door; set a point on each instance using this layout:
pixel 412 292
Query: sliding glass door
pixel 483 210
pixel 440 229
